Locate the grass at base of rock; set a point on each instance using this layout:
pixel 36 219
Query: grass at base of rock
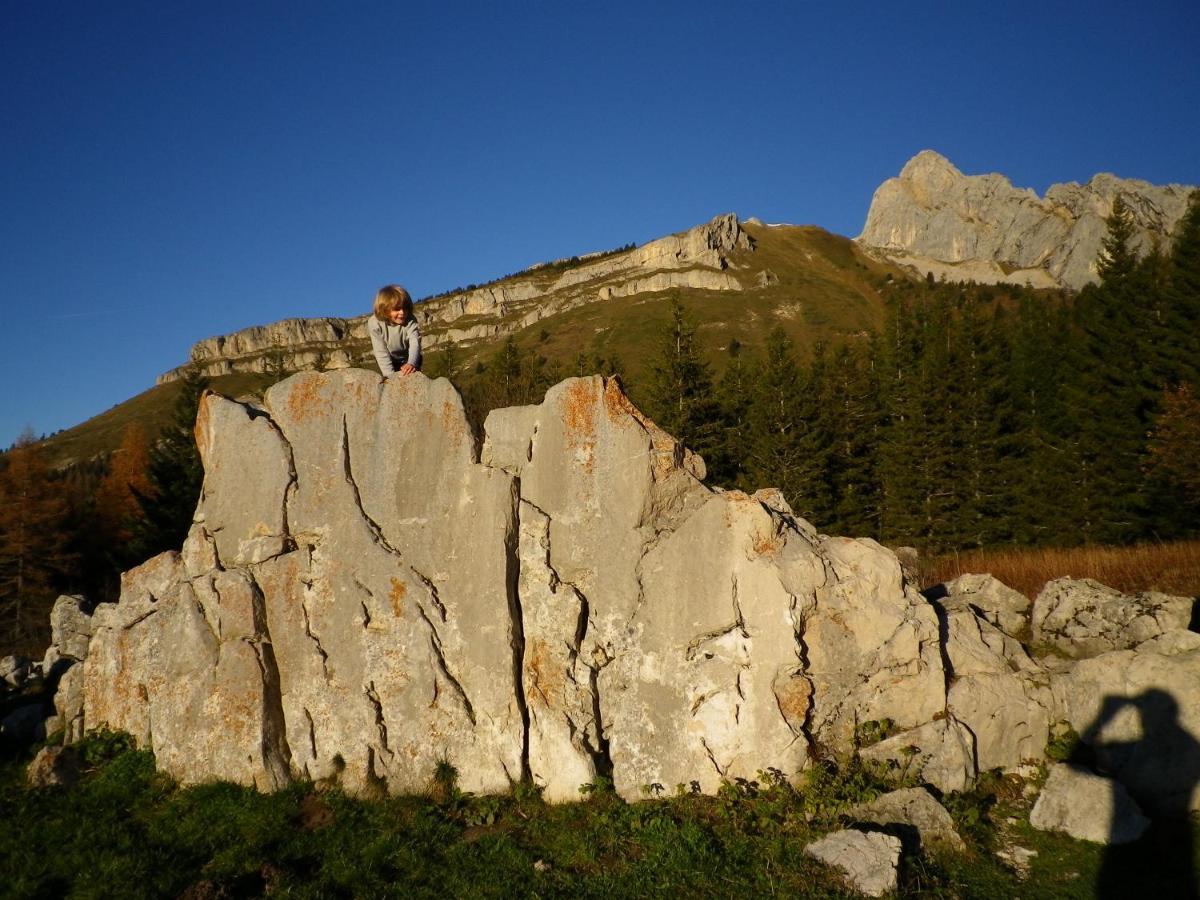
pixel 126 831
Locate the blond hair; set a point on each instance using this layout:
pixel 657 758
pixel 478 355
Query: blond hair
pixel 391 298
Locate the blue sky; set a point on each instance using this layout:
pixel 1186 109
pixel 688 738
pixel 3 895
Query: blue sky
pixel 171 171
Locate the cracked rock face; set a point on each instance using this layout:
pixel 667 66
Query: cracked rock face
pixel 1081 617
pixel 940 221
pixel 361 597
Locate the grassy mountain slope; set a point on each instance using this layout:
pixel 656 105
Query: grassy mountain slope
pixel 815 285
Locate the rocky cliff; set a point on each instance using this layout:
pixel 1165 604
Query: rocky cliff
pixel 699 258
pixel 979 227
pixel 365 593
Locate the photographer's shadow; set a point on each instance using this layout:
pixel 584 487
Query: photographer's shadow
pixel 1161 770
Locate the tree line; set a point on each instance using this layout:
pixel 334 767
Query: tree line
pixel 974 418
pixel 77 530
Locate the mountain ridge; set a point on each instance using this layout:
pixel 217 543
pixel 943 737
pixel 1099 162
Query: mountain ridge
pixel 933 219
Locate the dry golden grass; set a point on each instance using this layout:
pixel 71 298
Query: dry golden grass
pixel 1173 568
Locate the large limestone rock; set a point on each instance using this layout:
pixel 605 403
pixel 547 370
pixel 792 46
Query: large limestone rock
pixel 990 598
pixel 367 591
pixel 360 597
pixel 1081 617
pixel 979 227
pixel 1138 711
pixel 1088 807
pixel 996 691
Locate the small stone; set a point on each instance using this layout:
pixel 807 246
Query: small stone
pixel 917 809
pixel 541 866
pixel 53 767
pixel 868 859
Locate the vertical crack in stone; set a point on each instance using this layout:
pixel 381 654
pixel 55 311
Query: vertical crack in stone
pixel 312 734
pixel 366 614
pixel 804 729
pixel 277 754
pixel 293 481
pixel 433 593
pixel 312 636
pixel 711 757
pixel 376 531
pixel 601 753
pixel 435 643
pixel 380 723
pixel 512 564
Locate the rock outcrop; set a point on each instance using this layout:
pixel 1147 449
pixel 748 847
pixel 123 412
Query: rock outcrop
pixel 979 227
pixel 1081 617
pixel 368 590
pixel 699 258
pixel 361 596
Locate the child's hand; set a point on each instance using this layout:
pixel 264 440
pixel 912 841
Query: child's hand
pixel 407 369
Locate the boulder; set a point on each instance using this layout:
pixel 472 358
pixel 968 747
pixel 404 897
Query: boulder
pixel 916 809
pixel 991 599
pixel 70 634
pixel 14 670
pixel 996 691
pixel 939 753
pixel 1081 617
pixel 868 860
pixel 53 767
pixel 1087 807
pixel 68 706
pixel 1139 713
pixel 1009 716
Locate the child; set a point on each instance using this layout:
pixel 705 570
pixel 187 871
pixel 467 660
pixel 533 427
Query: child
pixel 395 338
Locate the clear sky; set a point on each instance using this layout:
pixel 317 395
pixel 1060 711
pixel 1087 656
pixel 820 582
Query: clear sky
pixel 171 170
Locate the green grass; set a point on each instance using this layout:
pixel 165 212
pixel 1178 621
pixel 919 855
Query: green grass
pixel 126 831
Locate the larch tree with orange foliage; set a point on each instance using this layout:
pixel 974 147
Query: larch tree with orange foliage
pixel 34 559
pixel 117 506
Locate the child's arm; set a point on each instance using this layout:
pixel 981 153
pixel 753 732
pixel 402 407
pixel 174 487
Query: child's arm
pixel 414 345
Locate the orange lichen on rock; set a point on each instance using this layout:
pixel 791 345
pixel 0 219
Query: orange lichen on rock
pixel 579 413
pixel 200 430
pixel 304 400
pixel 544 674
pixel 794 696
pixel 396 595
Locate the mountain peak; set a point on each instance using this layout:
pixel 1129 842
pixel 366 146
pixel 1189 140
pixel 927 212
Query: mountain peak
pixel 981 228
pixel 926 163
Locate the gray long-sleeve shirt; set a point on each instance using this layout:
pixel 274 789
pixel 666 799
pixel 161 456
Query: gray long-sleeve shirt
pixel 395 345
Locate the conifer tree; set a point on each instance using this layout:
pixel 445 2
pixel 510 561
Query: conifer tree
pixel 783 443
pixel 175 475
pixel 681 395
pixel 1181 290
pixel 849 420
pixel 1175 448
